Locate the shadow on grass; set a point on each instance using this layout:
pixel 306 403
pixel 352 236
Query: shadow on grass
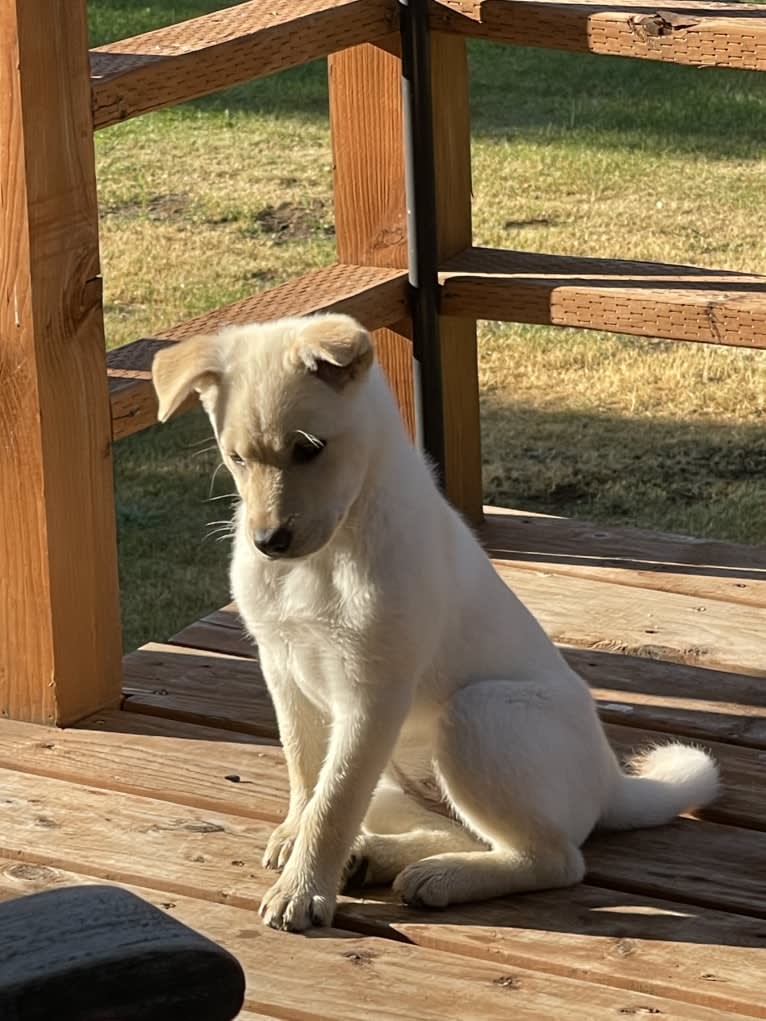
pixel 696 478
pixel 170 573
pixel 691 478
pixel 525 94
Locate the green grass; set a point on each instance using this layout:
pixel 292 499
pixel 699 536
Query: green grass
pixel 572 154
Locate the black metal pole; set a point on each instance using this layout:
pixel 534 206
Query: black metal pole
pixel 422 227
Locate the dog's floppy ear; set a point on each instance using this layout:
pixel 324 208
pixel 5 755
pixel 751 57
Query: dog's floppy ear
pixel 193 364
pixel 335 348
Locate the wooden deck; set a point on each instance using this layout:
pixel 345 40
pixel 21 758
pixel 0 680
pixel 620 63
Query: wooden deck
pixel 175 794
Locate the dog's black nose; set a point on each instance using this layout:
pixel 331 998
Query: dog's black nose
pixel 274 542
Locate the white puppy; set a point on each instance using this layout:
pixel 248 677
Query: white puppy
pixel 434 735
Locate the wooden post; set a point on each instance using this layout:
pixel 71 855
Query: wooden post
pixel 59 600
pixel 371 227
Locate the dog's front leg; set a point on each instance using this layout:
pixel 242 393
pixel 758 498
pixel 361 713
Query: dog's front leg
pixel 361 742
pixel 303 733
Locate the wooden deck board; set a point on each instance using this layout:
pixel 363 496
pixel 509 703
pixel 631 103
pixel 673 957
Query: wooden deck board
pixel 636 557
pixel 349 977
pixel 211 857
pixel 626 940
pixel 176 796
pixel 633 690
pixel 694 861
pixel 202 767
pixel 244 775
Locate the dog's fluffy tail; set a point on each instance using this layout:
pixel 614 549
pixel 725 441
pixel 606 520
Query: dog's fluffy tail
pixel 660 784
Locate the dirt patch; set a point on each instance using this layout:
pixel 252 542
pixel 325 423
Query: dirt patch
pixel 167 207
pixel 291 222
pixel 535 221
pixel 260 276
pixel 159 207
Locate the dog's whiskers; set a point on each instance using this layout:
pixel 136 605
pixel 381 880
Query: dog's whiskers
pixel 215 476
pixel 224 530
pixel 223 496
pixel 205 450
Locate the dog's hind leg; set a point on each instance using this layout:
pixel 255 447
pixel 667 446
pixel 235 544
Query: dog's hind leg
pixel 512 766
pixel 397 832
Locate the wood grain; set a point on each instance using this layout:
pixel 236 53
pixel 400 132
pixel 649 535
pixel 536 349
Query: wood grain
pixel 695 861
pixel 368 176
pixel 59 608
pixel 210 857
pixel 244 774
pixel 655 699
pixel 218 853
pixel 373 296
pixel 248 40
pixel 199 687
pixel 460 357
pixel 214 636
pixel 643 623
pixel 202 767
pixel 371 222
pixel 700 34
pixel 623 940
pixel 673 697
pixel 638 298
pixel 634 557
pixel 642 689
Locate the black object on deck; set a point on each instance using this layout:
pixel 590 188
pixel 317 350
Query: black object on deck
pixel 99 953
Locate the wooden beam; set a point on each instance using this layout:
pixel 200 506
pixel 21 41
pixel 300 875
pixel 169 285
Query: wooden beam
pixel 370 206
pixel 700 34
pixel 224 48
pixel 641 298
pixel 460 365
pixel 59 607
pixel 374 296
pixel 371 228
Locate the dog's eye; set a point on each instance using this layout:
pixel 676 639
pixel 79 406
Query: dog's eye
pixel 307 448
pixel 236 459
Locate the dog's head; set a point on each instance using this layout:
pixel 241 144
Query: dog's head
pixel 287 404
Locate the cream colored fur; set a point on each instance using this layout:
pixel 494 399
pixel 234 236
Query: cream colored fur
pixel 407 678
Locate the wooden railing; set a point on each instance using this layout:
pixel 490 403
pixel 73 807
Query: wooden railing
pixel 63 401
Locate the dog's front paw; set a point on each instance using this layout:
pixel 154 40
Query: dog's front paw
pixel 293 904
pixel 280 845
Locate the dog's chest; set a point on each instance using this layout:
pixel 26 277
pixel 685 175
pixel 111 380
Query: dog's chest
pixel 309 623
pixel 322 598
